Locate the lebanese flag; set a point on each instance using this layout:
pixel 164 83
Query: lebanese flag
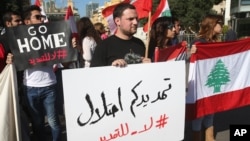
pixel 218 78
pixel 40 4
pixel 162 10
pixel 174 53
pixel 70 17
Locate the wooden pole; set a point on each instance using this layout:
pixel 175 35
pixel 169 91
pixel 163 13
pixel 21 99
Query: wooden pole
pixel 148 35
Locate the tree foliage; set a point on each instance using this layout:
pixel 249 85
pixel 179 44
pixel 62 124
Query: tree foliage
pixel 190 12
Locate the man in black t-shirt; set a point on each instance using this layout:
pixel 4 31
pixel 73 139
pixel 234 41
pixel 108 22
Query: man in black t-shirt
pixel 122 48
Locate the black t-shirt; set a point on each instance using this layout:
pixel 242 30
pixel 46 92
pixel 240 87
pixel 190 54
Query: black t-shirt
pixel 114 48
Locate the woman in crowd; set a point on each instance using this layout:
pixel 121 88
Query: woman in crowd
pixel 89 38
pixel 210 29
pixel 161 34
pixel 101 30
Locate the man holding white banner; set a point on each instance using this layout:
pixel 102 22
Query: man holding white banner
pixel 122 48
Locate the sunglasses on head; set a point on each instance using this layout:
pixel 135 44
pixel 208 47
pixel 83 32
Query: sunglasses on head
pixel 40 17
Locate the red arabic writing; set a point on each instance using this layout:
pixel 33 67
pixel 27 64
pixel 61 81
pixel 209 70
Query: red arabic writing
pixel 124 130
pixel 46 57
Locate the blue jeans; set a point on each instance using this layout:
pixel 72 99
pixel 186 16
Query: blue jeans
pixel 206 121
pixel 41 101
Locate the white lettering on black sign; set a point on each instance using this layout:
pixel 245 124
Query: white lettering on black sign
pixel 56 40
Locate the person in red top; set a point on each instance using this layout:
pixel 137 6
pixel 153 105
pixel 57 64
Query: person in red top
pixel 10 19
pixel 2 58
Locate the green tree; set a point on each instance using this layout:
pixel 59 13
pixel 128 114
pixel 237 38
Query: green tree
pixel 191 12
pixel 218 76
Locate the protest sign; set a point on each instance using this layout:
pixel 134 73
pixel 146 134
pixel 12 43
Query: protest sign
pixel 41 44
pixel 135 103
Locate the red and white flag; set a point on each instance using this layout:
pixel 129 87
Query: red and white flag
pixel 162 10
pixel 70 17
pixel 218 78
pixel 143 7
pixel 174 53
pixel 40 4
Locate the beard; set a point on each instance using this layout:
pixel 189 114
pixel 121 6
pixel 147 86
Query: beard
pixel 130 32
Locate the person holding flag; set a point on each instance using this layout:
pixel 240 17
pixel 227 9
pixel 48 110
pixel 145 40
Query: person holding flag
pixel 210 29
pixel 122 48
pixel 161 34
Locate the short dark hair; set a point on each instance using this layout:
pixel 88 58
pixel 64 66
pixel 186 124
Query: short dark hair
pixel 28 10
pixel 7 17
pixel 175 19
pixel 120 8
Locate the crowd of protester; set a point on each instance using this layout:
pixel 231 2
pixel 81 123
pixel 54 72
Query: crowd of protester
pixel 96 48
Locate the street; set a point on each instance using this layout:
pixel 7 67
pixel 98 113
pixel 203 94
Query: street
pixel 222 122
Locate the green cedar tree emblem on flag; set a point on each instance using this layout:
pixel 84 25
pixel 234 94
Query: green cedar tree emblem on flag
pixel 218 76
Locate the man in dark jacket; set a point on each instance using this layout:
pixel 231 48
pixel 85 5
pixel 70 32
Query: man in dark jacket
pixel 231 34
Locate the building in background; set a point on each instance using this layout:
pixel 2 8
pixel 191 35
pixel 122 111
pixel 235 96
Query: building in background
pixel 91 8
pixel 220 8
pixel 58 13
pixel 240 17
pixel 97 13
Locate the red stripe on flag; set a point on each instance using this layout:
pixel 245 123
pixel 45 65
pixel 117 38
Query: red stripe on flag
pixel 109 10
pixel 69 13
pixel 69 16
pixel 170 53
pixel 155 15
pixel 218 103
pixel 229 48
pixel 143 7
pixel 40 4
pixel 37 2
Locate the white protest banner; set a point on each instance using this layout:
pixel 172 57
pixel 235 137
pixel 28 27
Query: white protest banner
pixel 10 129
pixel 135 103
